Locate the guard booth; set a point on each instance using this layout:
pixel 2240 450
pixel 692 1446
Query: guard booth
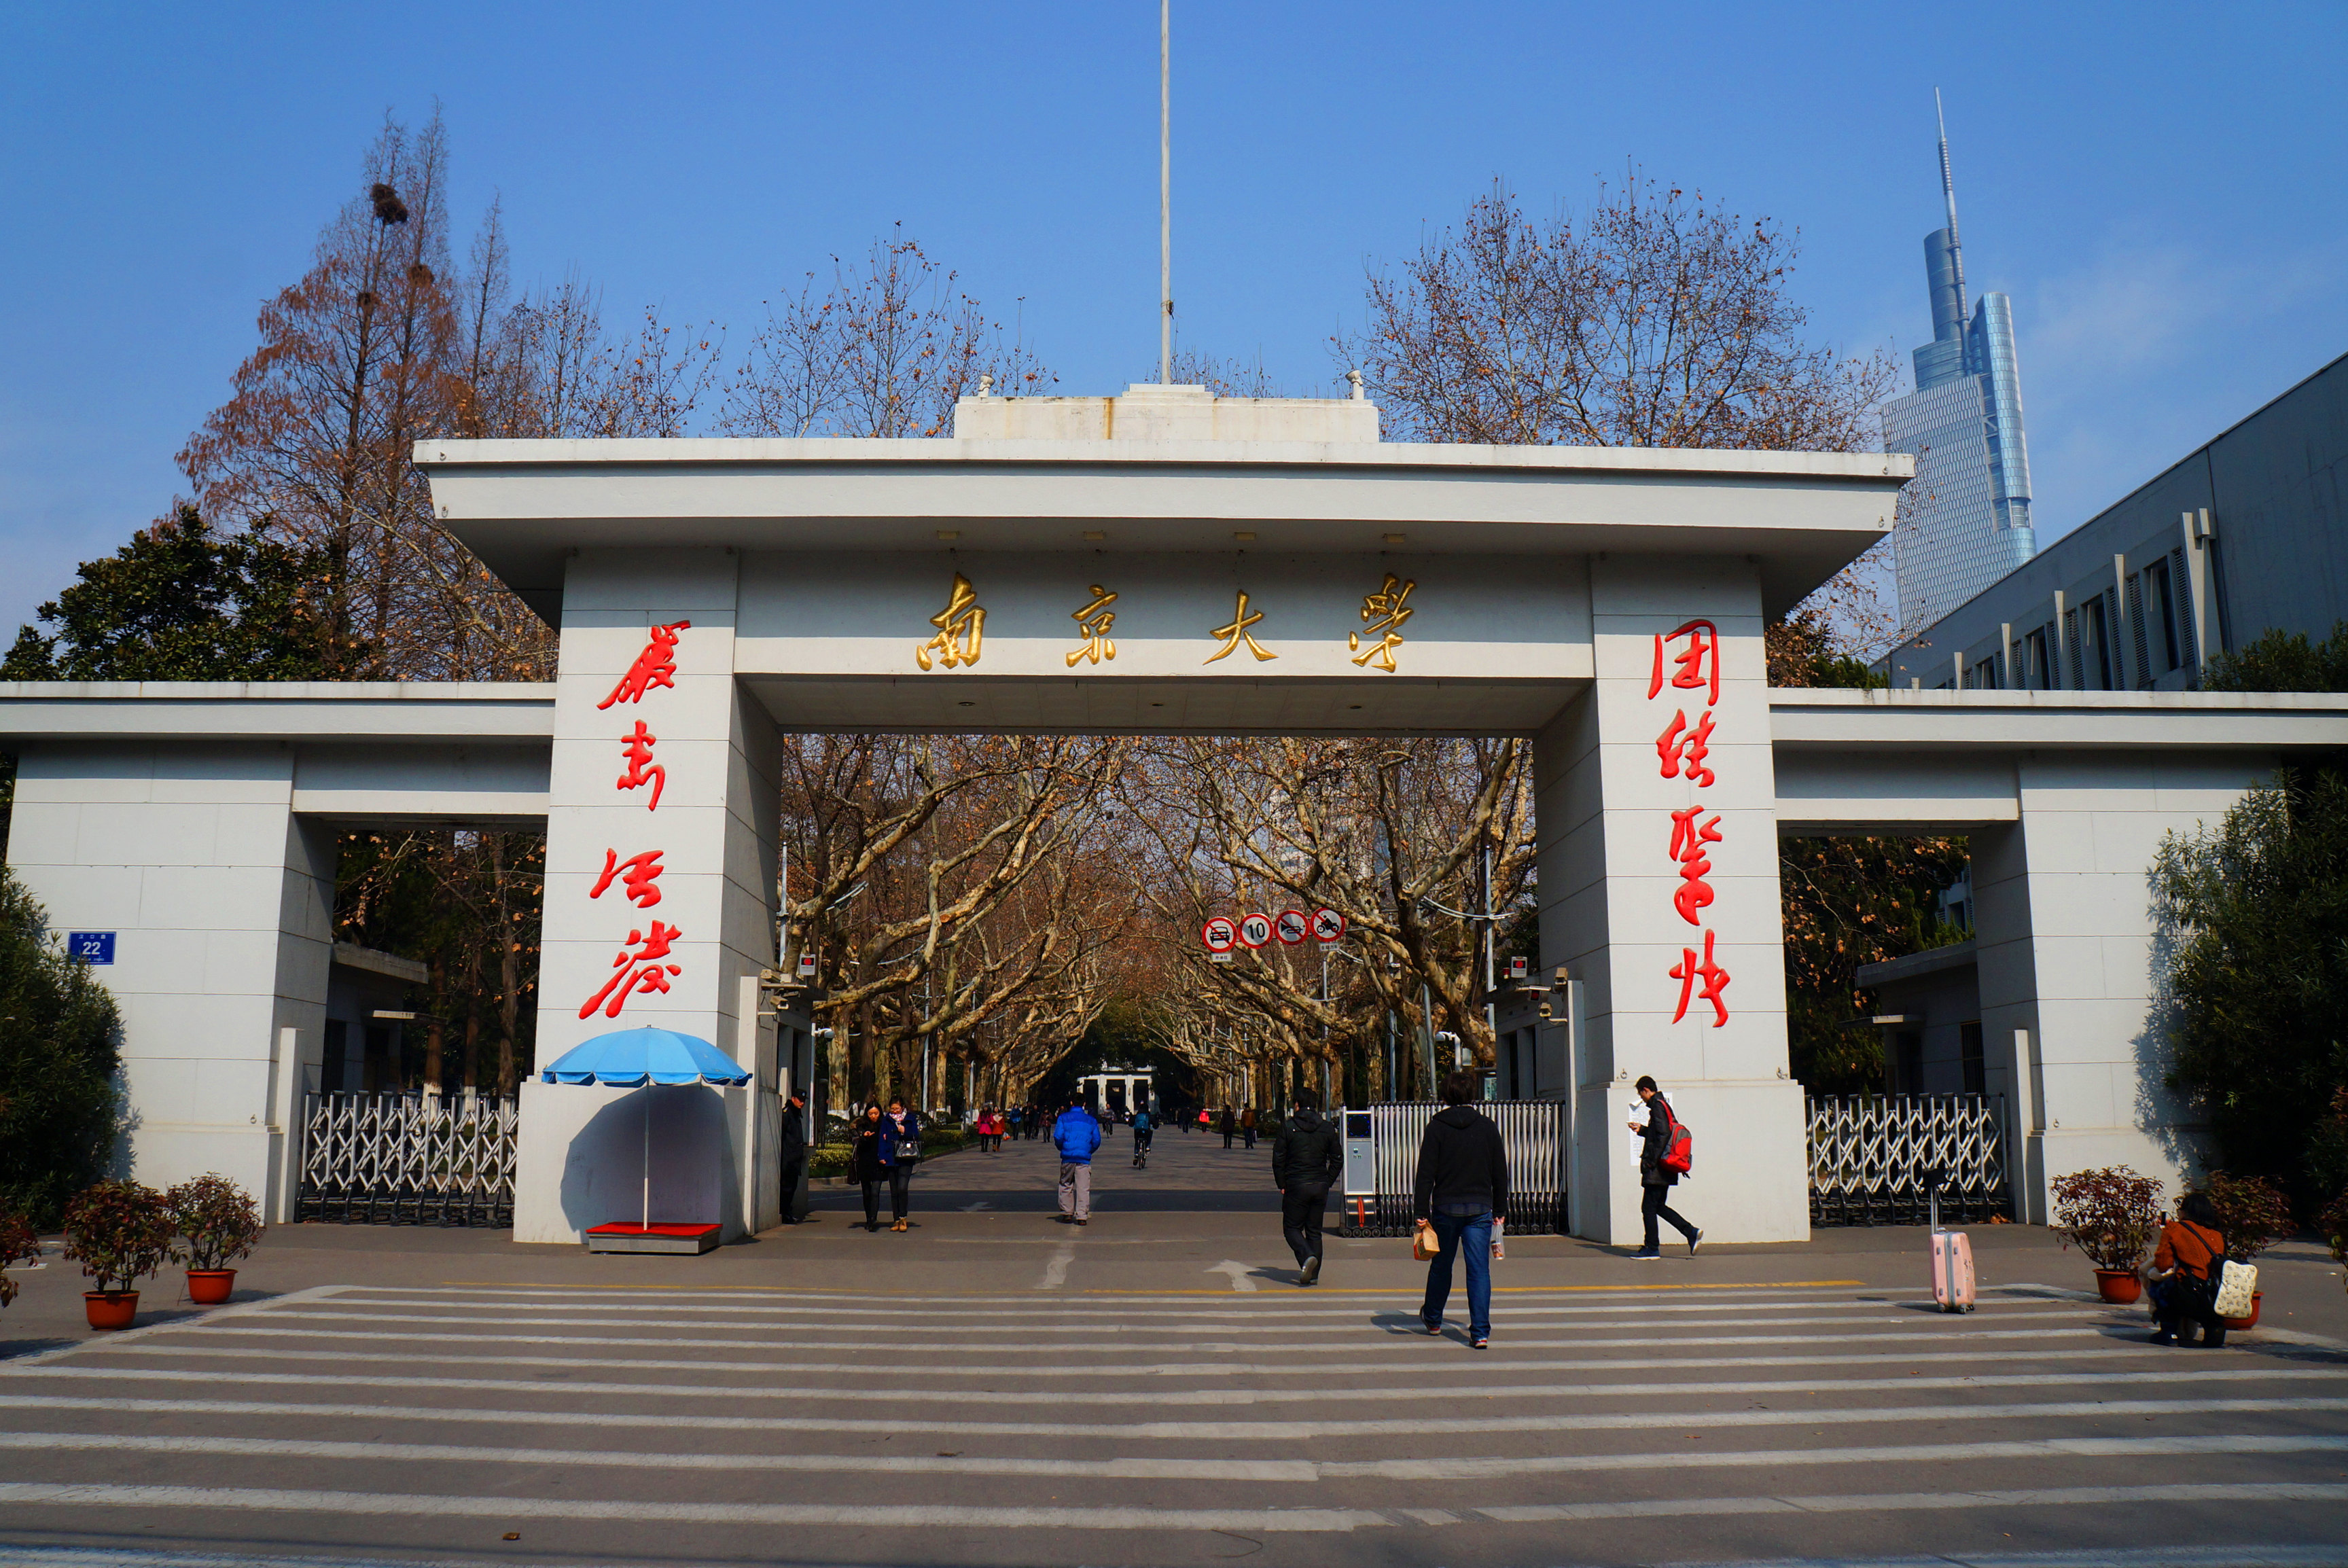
pixel 1382 1164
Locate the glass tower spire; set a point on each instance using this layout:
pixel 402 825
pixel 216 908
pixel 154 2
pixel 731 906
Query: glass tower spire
pixel 1965 521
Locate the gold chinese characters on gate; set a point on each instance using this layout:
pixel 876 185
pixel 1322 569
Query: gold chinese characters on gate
pixel 960 626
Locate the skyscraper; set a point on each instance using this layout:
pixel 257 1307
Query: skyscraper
pixel 1966 520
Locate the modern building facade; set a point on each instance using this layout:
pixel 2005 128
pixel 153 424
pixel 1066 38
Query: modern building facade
pixel 2241 536
pixel 1965 522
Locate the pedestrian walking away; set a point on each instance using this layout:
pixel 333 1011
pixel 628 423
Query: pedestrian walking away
pixel 1247 1125
pixel 791 1154
pixel 1306 1160
pixel 1143 1126
pixel 864 1167
pixel 900 1150
pixel 2185 1275
pixel 1077 1136
pixel 1656 1176
pixel 1463 1183
pixel 1231 1125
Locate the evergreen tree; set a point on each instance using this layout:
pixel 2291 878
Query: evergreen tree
pixel 2283 661
pixel 2256 910
pixel 181 601
pixel 59 1047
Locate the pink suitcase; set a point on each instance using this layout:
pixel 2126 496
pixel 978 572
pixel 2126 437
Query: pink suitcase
pixel 1952 1261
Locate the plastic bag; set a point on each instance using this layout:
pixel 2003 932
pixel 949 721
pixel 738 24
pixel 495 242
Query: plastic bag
pixel 1500 1237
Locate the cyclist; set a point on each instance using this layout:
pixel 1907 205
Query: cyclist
pixel 1142 1126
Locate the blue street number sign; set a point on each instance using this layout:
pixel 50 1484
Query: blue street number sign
pixel 90 946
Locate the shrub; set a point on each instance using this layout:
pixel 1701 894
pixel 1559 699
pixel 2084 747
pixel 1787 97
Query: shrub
pixel 217 1219
pixel 59 1036
pixel 19 1243
pixel 2109 1214
pixel 2252 1212
pixel 2335 1227
pixel 119 1232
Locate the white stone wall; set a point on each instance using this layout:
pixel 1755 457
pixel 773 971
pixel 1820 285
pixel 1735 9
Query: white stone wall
pixel 2068 953
pixel 1608 881
pixel 221 901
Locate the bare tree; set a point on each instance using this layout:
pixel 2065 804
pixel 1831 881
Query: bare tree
pixel 1657 320
pixel 885 351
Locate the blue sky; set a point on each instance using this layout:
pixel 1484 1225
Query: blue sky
pixel 2163 189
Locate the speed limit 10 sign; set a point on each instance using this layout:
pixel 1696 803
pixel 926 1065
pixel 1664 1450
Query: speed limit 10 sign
pixel 1328 926
pixel 1219 933
pixel 1255 931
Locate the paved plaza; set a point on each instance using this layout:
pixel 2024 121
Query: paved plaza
pixel 995 1387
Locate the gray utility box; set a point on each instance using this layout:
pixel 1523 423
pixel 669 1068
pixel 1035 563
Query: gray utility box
pixel 1361 1155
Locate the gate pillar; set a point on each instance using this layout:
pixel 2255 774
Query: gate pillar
pixel 662 819
pixel 1656 802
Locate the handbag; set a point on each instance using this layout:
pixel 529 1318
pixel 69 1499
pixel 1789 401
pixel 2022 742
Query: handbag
pixel 2237 1284
pixel 1423 1247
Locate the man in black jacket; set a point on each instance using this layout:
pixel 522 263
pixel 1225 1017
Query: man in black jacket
pixel 1306 1158
pixel 1656 1179
pixel 1463 1182
pixel 791 1152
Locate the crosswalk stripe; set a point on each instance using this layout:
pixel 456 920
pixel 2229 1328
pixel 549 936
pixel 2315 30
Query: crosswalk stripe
pixel 1279 1521
pixel 871 1394
pixel 2001 1356
pixel 366 1341
pixel 1118 1298
pixel 1213 1431
pixel 1417 1469
pixel 1326 1346
pixel 1076 1316
pixel 1907 1502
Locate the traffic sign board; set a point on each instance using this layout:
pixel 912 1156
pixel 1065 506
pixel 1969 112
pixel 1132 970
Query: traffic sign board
pixel 1328 926
pixel 1255 931
pixel 1290 926
pixel 1219 933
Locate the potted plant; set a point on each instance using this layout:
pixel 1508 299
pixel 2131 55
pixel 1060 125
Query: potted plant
pixel 120 1233
pixel 19 1243
pixel 218 1223
pixel 2111 1215
pixel 2252 1213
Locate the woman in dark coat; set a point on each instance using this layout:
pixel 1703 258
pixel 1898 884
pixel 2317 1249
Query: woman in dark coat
pixel 899 1151
pixel 864 1162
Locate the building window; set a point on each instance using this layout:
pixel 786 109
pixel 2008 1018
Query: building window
pixel 1907 1064
pixel 2037 666
pixel 2164 610
pixel 1969 1053
pixel 2097 650
pixel 379 1065
pixel 330 1072
pixel 2136 630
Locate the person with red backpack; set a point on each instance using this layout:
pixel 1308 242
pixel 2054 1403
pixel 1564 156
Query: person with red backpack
pixel 1662 1159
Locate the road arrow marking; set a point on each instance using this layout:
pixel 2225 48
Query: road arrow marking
pixel 1241 1278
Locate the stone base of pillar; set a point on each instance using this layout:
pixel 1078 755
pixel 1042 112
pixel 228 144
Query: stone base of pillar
pixel 580 1159
pixel 1751 1181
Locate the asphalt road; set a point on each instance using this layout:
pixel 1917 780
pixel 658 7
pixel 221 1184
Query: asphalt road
pixel 993 1388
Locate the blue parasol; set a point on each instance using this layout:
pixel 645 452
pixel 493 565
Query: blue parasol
pixel 638 1059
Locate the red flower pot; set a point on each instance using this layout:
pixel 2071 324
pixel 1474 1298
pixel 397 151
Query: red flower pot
pixel 111 1308
pixel 2251 1322
pixel 211 1287
pixel 2121 1287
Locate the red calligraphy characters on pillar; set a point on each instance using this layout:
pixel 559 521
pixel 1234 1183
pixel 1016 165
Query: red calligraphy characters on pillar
pixel 637 876
pixel 1682 746
pixel 1699 662
pixel 1689 970
pixel 637 749
pixel 655 667
pixel 1688 839
pixel 1682 751
pixel 637 973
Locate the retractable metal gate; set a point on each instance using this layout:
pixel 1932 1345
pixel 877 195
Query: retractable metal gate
pixel 1869 1154
pixel 1532 1133
pixel 408 1159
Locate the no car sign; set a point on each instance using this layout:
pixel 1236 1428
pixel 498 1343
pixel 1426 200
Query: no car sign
pixel 1219 933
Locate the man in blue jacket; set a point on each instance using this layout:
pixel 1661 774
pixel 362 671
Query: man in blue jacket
pixel 1076 1135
